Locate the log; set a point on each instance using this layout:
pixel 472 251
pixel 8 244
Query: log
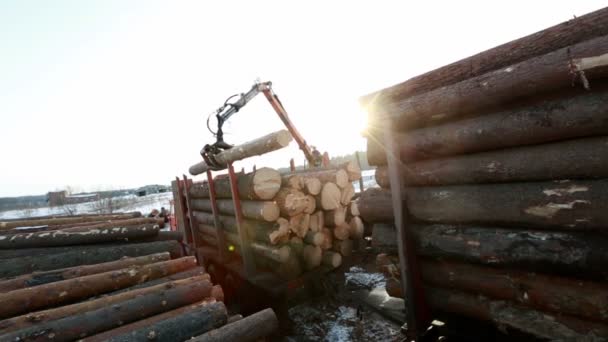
pixel 541 292
pixel 352 209
pixel 331 259
pixel 547 121
pixel 193 272
pixel 291 202
pixel 40 278
pixel 344 247
pixel 70 290
pixel 101 319
pixel 312 256
pixel 353 170
pixel 292 181
pixel 356 228
pixel 336 175
pixel 334 218
pixel 562 253
pixel 376 206
pixel 138 221
pixel 342 232
pixel 497 88
pixel 393 288
pixel 317 221
pixel 6 225
pixel 311 204
pixel 257 230
pixel 280 234
pixel 163 235
pixel 576 205
pixel 312 185
pixel 315 239
pixel 176 325
pixel 261 184
pixel 328 239
pixel 255 210
pixel 570 32
pixel 126 215
pixel 84 256
pixel 573 159
pixel 278 254
pixel 249 329
pixel 382 177
pixel 268 143
pixel 42 317
pixel 507 314
pixel 299 224
pixel 347 193
pixel 330 196
pixel 384 238
pixel 72 237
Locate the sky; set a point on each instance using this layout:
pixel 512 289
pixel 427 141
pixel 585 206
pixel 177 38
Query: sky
pixel 115 94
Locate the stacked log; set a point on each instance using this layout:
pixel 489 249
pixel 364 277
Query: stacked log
pixel 504 172
pixel 293 218
pixel 85 282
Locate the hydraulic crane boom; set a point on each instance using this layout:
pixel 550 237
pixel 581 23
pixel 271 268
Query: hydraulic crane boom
pixel 223 113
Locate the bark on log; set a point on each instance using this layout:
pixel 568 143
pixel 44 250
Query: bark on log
pixel 331 259
pixel 77 256
pixel 6 225
pixel 42 317
pixel 257 230
pixel 126 215
pixel 565 253
pixel 376 206
pixel 578 29
pixel 299 224
pixel 568 296
pixel 255 210
pixel 576 205
pixel 312 185
pixel 330 196
pixel 73 237
pixel 101 319
pixel 338 176
pixel 70 290
pixel 163 235
pixel 193 272
pixel 384 238
pixel 291 202
pixel 334 218
pixel 393 288
pixel 312 256
pixel 356 228
pixel 268 143
pixel 506 314
pixel 262 184
pixel 138 221
pixel 176 325
pixel 551 120
pixel 315 239
pixel 482 93
pixel 344 247
pixel 40 278
pixel 342 232
pixel 249 329
pixel 347 194
pixel 573 159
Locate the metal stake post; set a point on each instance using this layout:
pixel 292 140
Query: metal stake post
pixel 192 220
pixel 184 211
pixel 219 228
pixel 246 254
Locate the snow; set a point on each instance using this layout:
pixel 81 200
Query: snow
pixel 358 277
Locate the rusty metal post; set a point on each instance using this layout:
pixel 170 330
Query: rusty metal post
pixel 196 241
pixel 184 211
pixel 292 165
pixel 418 312
pixel 246 253
pixel 360 178
pixel 219 229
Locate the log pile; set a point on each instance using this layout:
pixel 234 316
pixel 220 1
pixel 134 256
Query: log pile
pixel 102 280
pixel 295 222
pixel 503 159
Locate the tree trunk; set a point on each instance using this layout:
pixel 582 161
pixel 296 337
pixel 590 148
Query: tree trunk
pixel 255 210
pixel 376 206
pixel 384 238
pixel 334 218
pixel 331 259
pixel 573 159
pixel 578 29
pixel 249 329
pixel 84 256
pixel 576 205
pixel 312 185
pixel 291 202
pixel 138 221
pixel 541 292
pixel 311 255
pixel 268 143
pixel 565 253
pixel 330 196
pixel 342 232
pixel 193 272
pixel 6 225
pixel 315 239
pixel 337 176
pixel 356 228
pixel 163 235
pixel 73 237
pixel 344 247
pixel 479 94
pixel 40 278
pixel 70 290
pixel 347 194
pixel 262 184
pixel 562 118
pixel 506 314
pixel 229 223
pixel 87 323
pixel 176 325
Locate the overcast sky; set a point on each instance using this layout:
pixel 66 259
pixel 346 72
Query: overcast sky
pixel 101 94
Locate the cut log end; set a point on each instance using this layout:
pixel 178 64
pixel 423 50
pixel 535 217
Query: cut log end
pixel 266 183
pixel 312 185
pixel 332 259
pixel 330 196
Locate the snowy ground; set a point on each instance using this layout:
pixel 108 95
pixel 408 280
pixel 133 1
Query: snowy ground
pixel 143 204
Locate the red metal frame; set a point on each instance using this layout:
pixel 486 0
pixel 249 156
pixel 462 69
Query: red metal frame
pixel 246 253
pixel 184 211
pixel 192 224
pixel 219 229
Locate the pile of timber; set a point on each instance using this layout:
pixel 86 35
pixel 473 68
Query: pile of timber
pixel 294 222
pixel 504 161
pixel 102 278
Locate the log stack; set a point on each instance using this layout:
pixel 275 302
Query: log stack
pixel 295 222
pixel 504 165
pixel 118 280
